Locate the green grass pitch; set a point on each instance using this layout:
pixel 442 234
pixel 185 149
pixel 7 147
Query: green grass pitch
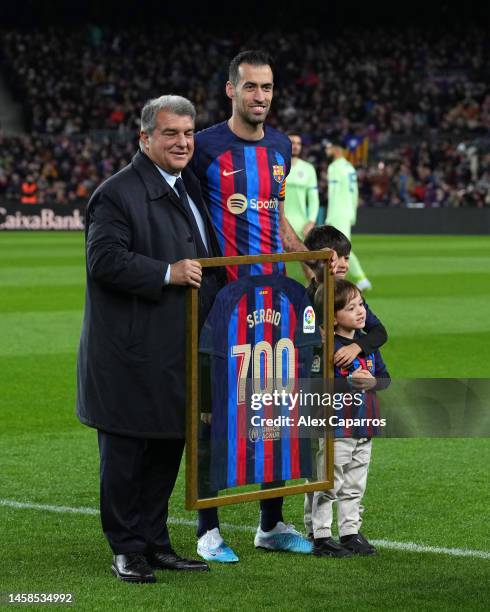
pixel 432 293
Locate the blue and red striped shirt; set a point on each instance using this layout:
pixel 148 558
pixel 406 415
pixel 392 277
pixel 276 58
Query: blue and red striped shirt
pixel 260 337
pixel 243 185
pixel 369 408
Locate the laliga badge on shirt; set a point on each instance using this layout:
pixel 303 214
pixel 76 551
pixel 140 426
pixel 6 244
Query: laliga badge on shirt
pixel 309 320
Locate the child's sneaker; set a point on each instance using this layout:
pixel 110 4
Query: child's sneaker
pixel 358 544
pixel 212 547
pixel 328 547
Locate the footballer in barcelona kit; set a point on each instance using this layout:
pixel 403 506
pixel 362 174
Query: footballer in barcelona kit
pixel 242 165
pixel 243 185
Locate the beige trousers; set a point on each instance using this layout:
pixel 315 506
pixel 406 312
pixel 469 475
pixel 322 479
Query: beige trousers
pixel 351 465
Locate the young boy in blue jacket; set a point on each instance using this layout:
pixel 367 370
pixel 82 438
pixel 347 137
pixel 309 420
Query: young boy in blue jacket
pixel 352 444
pixel 374 336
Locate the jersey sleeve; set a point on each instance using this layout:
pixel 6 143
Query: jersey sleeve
pixel 282 191
pixel 375 334
pixel 304 336
pixel 337 188
pixel 354 193
pixel 287 155
pixel 381 373
pixel 313 201
pixel 211 340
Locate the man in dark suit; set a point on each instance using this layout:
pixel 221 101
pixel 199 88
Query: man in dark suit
pixel 144 227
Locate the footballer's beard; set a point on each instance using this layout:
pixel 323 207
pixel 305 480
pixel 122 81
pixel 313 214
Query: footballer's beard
pixel 251 119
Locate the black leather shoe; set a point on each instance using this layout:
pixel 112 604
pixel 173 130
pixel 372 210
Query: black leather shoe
pixel 132 567
pixel 328 547
pixel 172 561
pixel 358 544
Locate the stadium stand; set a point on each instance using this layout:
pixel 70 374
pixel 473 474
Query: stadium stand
pixel 421 98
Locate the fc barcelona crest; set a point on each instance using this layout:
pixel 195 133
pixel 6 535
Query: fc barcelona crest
pixel 278 172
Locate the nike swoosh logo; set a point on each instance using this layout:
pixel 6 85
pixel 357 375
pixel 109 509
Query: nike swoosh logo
pixel 226 173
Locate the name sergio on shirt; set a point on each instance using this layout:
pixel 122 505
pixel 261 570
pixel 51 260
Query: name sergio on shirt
pixel 264 315
pixel 237 203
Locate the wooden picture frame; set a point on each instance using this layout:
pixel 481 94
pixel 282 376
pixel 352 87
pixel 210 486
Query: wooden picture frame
pixel 192 500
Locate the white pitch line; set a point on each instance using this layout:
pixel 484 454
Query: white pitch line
pixel 402 546
pixel 10 503
pixel 412 547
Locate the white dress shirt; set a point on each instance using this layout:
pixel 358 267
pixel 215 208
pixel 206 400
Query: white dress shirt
pixel 171 178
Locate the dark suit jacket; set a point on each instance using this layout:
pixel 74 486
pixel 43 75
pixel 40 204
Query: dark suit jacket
pixel 131 361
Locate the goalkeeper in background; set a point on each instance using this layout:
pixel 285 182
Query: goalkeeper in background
pixel 302 203
pixel 343 199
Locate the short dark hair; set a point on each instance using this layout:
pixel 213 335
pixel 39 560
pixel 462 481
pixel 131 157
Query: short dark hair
pixel 343 292
pixel 328 237
pixel 295 133
pixel 254 58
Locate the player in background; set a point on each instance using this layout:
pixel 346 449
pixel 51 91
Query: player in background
pixel 343 198
pixel 242 164
pixel 352 445
pixel 302 202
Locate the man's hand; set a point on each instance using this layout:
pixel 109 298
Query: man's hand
pixel 346 355
pixel 186 272
pixel 362 380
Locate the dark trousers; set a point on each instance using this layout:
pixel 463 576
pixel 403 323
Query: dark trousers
pixel 270 509
pixel 137 477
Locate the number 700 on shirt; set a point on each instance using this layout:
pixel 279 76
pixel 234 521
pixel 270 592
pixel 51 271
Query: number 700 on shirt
pixel 272 368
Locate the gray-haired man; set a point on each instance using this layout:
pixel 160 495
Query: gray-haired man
pixel 145 226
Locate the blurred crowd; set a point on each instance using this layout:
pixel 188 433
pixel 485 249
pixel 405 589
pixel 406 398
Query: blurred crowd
pixel 426 175
pixel 383 84
pixel 63 169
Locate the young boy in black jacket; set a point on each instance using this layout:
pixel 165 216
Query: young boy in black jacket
pixel 328 237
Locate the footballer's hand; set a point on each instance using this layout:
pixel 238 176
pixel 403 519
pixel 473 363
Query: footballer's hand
pixel 186 272
pixel 317 265
pixel 334 262
pixel 346 355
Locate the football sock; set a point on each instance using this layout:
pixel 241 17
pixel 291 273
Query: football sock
pixel 270 513
pixel 207 520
